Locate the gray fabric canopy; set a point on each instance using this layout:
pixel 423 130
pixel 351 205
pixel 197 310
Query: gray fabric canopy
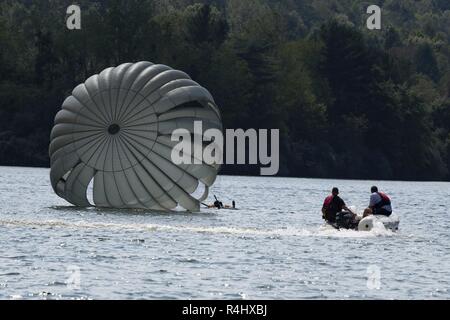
pixel 116 129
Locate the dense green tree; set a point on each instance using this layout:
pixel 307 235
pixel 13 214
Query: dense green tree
pixel 426 61
pixel 349 102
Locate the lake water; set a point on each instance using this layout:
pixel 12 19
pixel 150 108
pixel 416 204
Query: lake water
pixel 274 247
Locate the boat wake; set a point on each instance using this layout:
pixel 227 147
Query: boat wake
pixel 378 230
pixel 323 231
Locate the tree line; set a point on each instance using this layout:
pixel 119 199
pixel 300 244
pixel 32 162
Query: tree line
pixel 349 102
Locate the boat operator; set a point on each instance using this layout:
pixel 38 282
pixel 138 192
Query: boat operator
pixel 334 205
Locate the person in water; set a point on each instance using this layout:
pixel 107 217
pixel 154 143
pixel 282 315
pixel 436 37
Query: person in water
pixel 380 204
pixel 334 204
pixel 219 205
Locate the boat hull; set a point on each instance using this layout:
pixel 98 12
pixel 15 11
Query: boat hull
pixel 368 223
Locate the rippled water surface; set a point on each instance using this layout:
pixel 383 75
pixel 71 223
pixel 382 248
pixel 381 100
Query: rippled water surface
pixel 274 247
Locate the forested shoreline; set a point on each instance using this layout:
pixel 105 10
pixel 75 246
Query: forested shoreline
pixel 349 102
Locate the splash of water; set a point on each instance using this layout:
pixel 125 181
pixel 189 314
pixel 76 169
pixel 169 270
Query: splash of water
pixel 323 231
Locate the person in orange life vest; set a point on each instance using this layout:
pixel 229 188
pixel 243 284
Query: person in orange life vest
pixel 380 204
pixel 332 205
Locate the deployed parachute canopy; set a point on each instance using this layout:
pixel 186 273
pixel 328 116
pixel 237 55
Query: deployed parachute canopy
pixel 115 129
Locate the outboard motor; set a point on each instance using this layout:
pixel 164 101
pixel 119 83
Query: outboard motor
pixel 344 220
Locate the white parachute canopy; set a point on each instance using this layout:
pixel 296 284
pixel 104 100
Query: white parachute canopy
pixel 116 129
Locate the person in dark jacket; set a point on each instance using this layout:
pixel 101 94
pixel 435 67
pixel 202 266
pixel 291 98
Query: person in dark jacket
pixel 333 205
